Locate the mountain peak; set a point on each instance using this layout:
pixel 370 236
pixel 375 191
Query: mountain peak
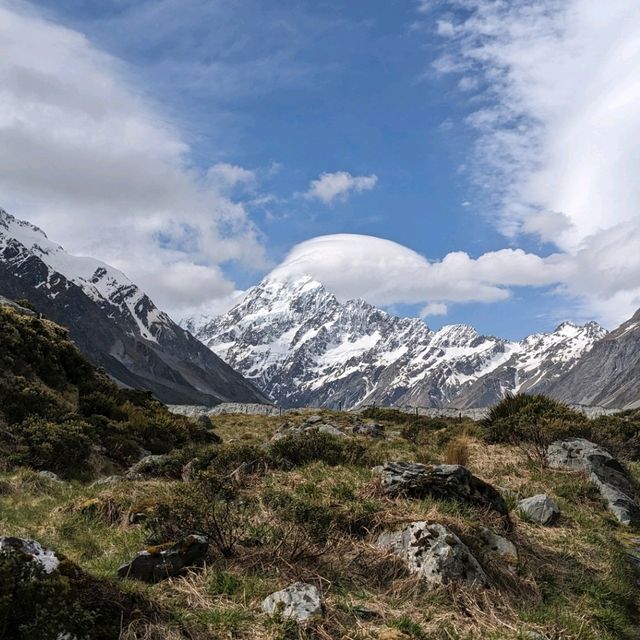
pixel 303 346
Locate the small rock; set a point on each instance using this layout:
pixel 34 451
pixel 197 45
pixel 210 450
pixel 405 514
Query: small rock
pixel 46 558
pixel 313 420
pixel 498 546
pixel 435 553
pixel 49 475
pixel 371 430
pixel 153 565
pixel 149 467
pixel 299 601
pixel 540 509
pixel 108 480
pixel 327 428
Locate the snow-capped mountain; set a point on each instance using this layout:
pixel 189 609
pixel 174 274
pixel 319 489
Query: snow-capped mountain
pixel 112 321
pixel 301 346
pixel 609 374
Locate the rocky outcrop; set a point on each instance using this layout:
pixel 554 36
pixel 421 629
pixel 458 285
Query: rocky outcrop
pixel 33 550
pixel 607 474
pixel 158 563
pixel 441 481
pixel 435 553
pixel 299 601
pixel 540 509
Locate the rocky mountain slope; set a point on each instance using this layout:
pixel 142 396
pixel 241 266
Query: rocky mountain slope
pixel 609 374
pixel 302 346
pixel 113 322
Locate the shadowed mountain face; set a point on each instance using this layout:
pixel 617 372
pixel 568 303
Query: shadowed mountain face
pixel 113 322
pixel 302 346
pixel 609 375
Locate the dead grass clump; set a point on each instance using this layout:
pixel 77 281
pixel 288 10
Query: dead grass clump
pixel 457 451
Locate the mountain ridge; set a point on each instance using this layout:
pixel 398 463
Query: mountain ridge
pixel 301 345
pixel 113 322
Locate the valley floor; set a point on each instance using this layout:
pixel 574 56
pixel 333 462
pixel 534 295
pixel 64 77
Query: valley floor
pixel 317 522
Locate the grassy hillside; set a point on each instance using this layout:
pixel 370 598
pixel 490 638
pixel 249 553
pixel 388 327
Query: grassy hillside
pixel 306 507
pixel 58 413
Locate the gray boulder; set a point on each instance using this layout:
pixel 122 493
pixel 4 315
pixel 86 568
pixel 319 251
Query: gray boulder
pixel 499 547
pixel 435 553
pixel 107 480
pixel 441 481
pixel 371 430
pixel 33 550
pixel 314 426
pixel 299 601
pixel 166 561
pixel 151 467
pixel 607 474
pixel 540 509
pixel 315 419
pixel 49 475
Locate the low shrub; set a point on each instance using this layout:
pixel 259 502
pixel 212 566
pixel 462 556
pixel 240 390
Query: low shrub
pixel 59 447
pixel 210 505
pixel 532 423
pixel 300 449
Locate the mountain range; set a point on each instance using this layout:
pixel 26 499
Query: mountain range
pixel 113 322
pixel 302 346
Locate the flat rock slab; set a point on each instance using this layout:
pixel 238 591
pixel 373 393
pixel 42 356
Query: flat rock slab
pixel 33 550
pixel 540 509
pixel 153 565
pixel 441 481
pixel 435 553
pixel 299 601
pixel 607 474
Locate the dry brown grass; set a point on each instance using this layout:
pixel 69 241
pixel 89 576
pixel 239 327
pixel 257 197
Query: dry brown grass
pixel 457 451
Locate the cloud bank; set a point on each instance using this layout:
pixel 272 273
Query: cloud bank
pixel 558 84
pixel 93 162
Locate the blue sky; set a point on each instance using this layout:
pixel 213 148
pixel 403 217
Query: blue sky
pixel 394 89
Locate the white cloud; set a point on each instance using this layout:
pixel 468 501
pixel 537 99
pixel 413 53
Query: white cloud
pixel 385 273
pixel 330 187
pixel 558 132
pixel 434 309
pixel 227 177
pixel 89 159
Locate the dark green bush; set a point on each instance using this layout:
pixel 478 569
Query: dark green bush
pixel 532 419
pixel 300 449
pixel 38 606
pixel 55 446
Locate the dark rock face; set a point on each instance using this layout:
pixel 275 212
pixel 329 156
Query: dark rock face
pixel 609 374
pixel 609 476
pixel 113 322
pixel 157 564
pixel 304 347
pixel 441 481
